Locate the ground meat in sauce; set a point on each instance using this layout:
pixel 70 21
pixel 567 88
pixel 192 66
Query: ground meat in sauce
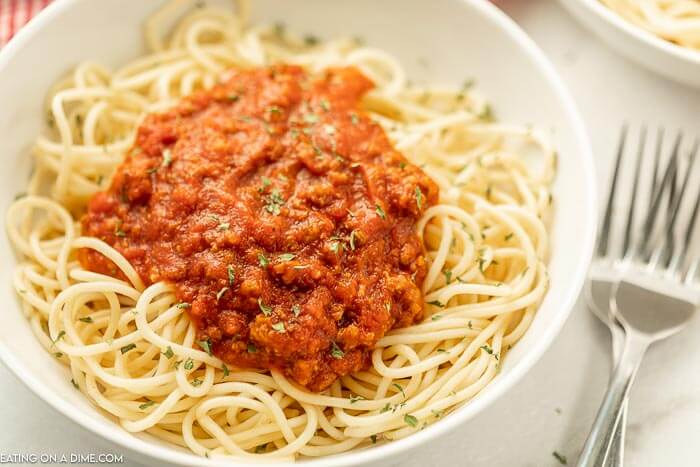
pixel 281 213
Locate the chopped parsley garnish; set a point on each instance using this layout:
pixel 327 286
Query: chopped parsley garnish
pixel 231 275
pixel 274 202
pixel 469 324
pixel 373 438
pixel 233 97
pixel 410 420
pixel 223 226
pixel 167 158
pixel 196 382
pixel 189 364
pixel 336 352
pixel 168 353
pixel 58 354
pixel 508 237
pixel 448 276
pixel 380 211
pixel 400 388
pixel 221 293
pixel 225 369
pixel 274 110
pixel 354 399
pixel 330 129
pixel 335 246
pixel 437 413
pixel 310 40
pixel 488 350
pixel 266 182
pixel 205 345
pixel 311 118
pixel 561 458
pixel 287 256
pixel 262 260
pixel 266 309
pixel 279 327
pixel 386 408
pixel 146 405
pixel 118 230
pixel 183 305
pixel 127 348
pixel 252 348
pixel 419 198
pixel 436 317
pixel 486 114
pixel 436 303
pixel 87 319
pixel 325 105
pixel 296 309
pixel 75 385
pixel 352 240
pixel 354 119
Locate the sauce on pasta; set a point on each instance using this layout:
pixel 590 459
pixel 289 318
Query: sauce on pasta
pixel 282 214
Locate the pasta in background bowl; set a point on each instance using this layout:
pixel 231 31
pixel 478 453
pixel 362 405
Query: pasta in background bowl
pixel 662 36
pixel 548 106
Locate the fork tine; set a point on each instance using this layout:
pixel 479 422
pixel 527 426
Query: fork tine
pixel 677 257
pixel 604 235
pixel 657 163
pixel 635 185
pixel 666 179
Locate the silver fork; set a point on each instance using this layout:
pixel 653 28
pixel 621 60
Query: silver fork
pixel 651 292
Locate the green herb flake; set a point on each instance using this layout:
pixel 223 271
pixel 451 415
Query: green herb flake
pixel 252 348
pixel 231 275
pixel 147 404
pixel 167 158
pixel 386 408
pixel 487 349
pixel 168 353
pixel 274 202
pixel 279 327
pixel 325 105
pixel 352 240
pixel 419 198
pixel 373 438
pixel 310 40
pixel 508 237
pixel 354 118
pixel 296 309
pixel 127 348
pixel 380 211
pixel 58 354
pixel 437 413
pixel 183 305
pixel 560 457
pixel 436 303
pixel 196 382
pixel 286 257
pixel 410 420
pixel 400 388
pixel 448 276
pixel 205 345
pixel 75 385
pixel 266 309
pixel 336 352
pixel 225 369
pixel 436 317
pixel 87 319
pixel 262 260
pixel 310 118
pixel 189 364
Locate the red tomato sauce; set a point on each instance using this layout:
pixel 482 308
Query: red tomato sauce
pixel 281 213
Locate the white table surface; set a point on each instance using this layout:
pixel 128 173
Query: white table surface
pixel 554 405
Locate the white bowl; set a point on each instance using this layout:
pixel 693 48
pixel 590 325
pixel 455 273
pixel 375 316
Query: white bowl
pixel 677 63
pixel 449 41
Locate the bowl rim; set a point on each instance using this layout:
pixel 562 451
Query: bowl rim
pixel 576 279
pixel 640 34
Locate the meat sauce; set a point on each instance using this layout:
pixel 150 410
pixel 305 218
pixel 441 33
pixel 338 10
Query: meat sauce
pixel 282 215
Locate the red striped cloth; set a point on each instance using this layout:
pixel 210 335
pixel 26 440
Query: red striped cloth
pixel 16 13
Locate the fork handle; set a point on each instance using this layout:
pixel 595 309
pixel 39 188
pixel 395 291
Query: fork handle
pixel 602 433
